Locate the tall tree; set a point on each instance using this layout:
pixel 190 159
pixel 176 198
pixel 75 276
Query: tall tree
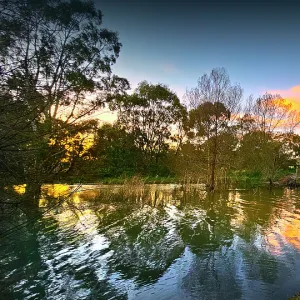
pixel 214 105
pixel 153 114
pixel 268 126
pixel 55 65
pixel 115 152
pixel 260 153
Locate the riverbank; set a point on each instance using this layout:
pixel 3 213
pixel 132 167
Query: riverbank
pixel 237 180
pixel 122 180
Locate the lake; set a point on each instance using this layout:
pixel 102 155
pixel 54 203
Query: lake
pixel 154 242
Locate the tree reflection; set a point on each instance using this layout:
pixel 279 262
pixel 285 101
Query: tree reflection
pixel 145 245
pixel 108 241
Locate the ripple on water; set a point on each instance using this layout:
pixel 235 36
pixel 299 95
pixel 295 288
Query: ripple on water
pixel 234 245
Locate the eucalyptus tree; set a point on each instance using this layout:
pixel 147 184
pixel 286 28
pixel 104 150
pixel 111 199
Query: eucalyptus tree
pixel 115 152
pixel 270 123
pixel 214 106
pixel 55 69
pixel 259 153
pixel 153 113
pixel 271 114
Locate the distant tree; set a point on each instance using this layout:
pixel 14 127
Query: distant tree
pixel 272 114
pixel 262 154
pixel 153 115
pixel 266 143
pixel 115 152
pixel 214 105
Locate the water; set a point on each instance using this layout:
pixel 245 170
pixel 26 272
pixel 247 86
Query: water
pixel 156 243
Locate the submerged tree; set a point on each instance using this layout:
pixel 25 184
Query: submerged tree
pixel 214 105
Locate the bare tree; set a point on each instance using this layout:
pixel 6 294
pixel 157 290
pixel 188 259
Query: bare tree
pixel 272 113
pixel 214 106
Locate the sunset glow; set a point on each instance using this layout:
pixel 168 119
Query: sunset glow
pixel 292 95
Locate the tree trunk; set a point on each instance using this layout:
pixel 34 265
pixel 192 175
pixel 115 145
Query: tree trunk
pixel 33 194
pixel 271 183
pixel 212 178
pixel 213 166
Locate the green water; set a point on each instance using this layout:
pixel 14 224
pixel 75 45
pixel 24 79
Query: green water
pixel 156 243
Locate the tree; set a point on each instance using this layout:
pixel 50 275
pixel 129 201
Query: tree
pixel 267 128
pixel 271 113
pixel 151 114
pixel 262 154
pixel 214 105
pixel 55 65
pixel 73 143
pixel 115 152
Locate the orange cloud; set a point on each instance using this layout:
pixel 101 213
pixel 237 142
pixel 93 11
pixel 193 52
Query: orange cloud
pixel 296 89
pixel 292 95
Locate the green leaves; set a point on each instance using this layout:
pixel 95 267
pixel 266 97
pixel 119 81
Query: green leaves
pixel 60 44
pixel 53 54
pixel 207 117
pixel 80 82
pixel 149 113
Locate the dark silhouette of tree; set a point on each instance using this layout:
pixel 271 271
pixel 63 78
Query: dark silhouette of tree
pixel 55 68
pixel 116 152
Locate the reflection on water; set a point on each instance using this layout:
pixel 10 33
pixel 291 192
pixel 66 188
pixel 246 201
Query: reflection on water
pixel 156 242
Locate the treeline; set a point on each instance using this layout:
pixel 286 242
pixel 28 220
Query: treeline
pixel 216 138
pixel 55 69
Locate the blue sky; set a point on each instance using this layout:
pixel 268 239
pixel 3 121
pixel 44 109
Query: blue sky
pixel 175 42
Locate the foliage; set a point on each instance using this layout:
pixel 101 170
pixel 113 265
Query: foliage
pixel 56 71
pixel 55 68
pixel 116 152
pixel 267 155
pixel 214 104
pixel 151 114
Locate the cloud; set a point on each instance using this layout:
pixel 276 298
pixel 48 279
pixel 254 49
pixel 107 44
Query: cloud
pixel 169 68
pixel 292 95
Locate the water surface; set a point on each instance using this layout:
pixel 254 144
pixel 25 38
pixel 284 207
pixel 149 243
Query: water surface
pixel 158 242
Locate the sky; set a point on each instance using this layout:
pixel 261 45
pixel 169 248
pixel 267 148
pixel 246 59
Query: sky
pixel 176 42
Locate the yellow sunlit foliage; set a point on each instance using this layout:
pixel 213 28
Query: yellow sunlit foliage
pixel 20 189
pixel 43 202
pixel 77 145
pixel 56 190
pixel 51 142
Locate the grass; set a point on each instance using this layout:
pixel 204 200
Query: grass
pixel 296 297
pixel 238 179
pixel 145 180
pixel 120 180
pixel 243 179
